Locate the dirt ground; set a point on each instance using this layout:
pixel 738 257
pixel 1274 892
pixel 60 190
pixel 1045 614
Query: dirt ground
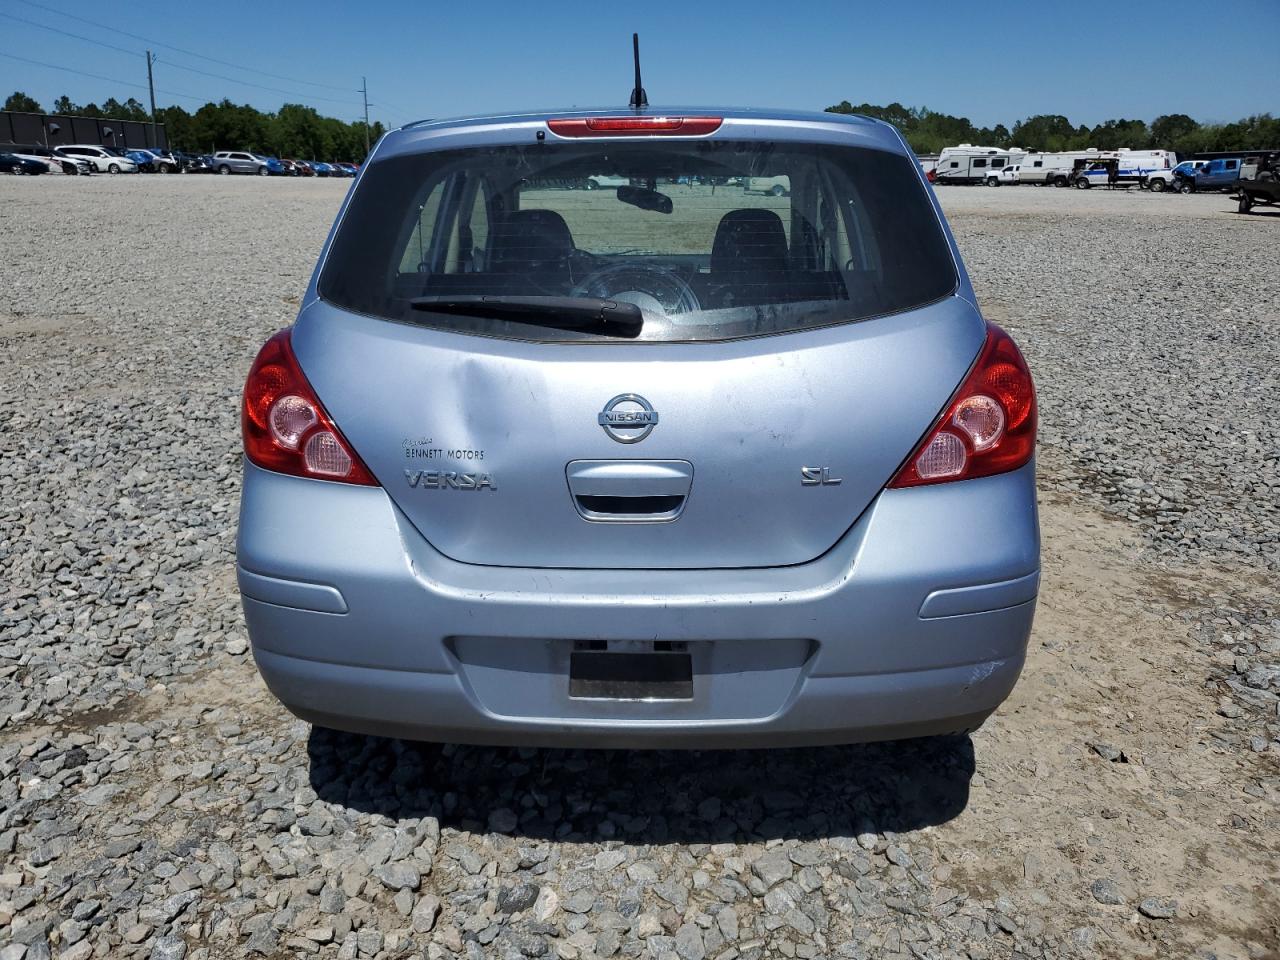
pixel 1174 816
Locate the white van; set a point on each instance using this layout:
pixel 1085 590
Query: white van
pixel 1136 166
pixel 104 159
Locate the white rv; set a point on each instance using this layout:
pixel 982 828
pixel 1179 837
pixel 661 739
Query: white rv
pixel 969 164
pixel 1054 168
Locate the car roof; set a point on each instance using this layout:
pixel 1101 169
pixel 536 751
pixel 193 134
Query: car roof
pixel 748 123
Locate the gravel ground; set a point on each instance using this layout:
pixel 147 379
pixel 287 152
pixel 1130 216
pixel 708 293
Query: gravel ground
pixel 155 802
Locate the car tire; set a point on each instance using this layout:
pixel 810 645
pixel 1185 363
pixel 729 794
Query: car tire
pixel 1155 186
pixel 1083 184
pixel 264 172
pixel 1187 187
pixel 224 170
pixel 113 168
pixel 1059 181
pixel 1246 203
pixel 778 190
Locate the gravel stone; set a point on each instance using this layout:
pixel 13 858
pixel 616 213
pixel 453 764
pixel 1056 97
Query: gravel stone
pixel 399 876
pixel 772 868
pixel 688 943
pixel 169 948
pixel 1106 891
pixel 155 802
pixel 1158 908
pixel 518 898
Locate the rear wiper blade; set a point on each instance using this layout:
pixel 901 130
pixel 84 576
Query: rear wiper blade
pixel 612 317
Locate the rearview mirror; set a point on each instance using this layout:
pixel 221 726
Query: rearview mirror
pixel 645 199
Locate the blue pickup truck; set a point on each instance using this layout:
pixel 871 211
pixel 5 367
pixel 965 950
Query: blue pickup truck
pixel 1192 176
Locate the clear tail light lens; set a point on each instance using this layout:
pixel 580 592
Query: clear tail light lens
pixel 290 417
pixel 286 428
pixel 988 427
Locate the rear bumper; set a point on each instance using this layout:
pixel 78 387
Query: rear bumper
pixel 914 623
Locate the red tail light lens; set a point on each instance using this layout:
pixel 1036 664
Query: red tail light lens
pixel 989 427
pixel 635 126
pixel 286 428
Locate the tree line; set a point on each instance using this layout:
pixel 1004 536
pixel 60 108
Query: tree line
pixel 294 130
pixel 929 132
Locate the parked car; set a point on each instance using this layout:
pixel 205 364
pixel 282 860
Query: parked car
pixel 291 168
pixel 194 162
pixel 321 169
pixel 1008 174
pixel 12 163
pixel 1162 180
pixel 774 186
pixel 347 169
pixel 104 159
pixel 165 161
pixel 145 160
pixel 1104 172
pixel 604 181
pixel 240 161
pixel 304 169
pixel 54 163
pixel 1202 175
pixel 516 476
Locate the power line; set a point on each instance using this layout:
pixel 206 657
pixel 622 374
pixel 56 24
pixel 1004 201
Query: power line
pixel 68 33
pixel 98 76
pixel 179 66
pixel 189 53
pixel 246 83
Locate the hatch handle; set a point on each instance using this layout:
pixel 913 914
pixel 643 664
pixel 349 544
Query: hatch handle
pixel 620 491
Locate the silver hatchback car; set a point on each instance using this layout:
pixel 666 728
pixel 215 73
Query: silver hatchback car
pixel 673 463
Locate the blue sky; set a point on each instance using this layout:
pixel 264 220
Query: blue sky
pixel 1217 60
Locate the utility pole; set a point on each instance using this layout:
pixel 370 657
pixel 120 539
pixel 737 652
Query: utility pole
pixel 151 86
pixel 364 90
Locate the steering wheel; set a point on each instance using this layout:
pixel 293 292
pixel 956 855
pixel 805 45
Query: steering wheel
pixel 658 289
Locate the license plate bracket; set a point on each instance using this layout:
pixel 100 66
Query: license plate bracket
pixel 629 675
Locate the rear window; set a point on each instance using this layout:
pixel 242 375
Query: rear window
pixel 713 240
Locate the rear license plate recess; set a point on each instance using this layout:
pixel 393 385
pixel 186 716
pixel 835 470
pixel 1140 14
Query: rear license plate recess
pixel 638 670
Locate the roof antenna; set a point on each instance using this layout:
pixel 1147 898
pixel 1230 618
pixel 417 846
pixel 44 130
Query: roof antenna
pixel 638 97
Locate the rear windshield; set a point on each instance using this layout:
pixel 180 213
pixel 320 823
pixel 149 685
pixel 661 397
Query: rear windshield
pixel 713 240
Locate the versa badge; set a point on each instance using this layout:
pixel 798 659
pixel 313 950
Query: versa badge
pixel 449 480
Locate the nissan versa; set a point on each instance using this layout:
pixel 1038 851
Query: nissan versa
pixel 668 462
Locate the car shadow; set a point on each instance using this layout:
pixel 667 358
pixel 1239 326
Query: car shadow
pixel 648 796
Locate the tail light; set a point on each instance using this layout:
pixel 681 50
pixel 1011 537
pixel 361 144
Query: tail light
pixel 635 126
pixel 286 428
pixel 989 426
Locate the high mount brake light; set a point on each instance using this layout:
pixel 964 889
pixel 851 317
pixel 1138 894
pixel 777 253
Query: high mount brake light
pixel 989 426
pixel 286 428
pixel 635 126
